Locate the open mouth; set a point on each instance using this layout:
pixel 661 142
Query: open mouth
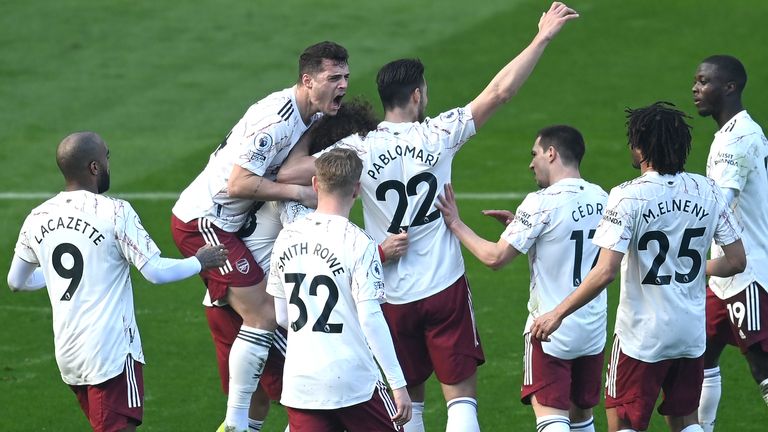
pixel 337 101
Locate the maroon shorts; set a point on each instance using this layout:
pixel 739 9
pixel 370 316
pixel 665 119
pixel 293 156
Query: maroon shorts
pixel 437 333
pixel 557 383
pixel 225 323
pixel 740 320
pixel 633 387
pixel 116 403
pixel 374 415
pixel 240 270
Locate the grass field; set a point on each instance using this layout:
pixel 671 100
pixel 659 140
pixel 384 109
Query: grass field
pixel 163 82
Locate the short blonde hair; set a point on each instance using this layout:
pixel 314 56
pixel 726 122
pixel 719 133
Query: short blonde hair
pixel 338 171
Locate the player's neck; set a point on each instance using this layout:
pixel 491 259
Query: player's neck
pixel 304 103
pixel 565 173
pixel 401 115
pixel 72 186
pixel 334 205
pixel 726 114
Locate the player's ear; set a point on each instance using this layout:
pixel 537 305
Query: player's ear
pixel 730 87
pixel 416 96
pixel 356 190
pixel 314 183
pixel 93 167
pixel 306 80
pixel 551 153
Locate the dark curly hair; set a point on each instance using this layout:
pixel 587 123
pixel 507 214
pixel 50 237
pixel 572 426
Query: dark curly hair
pixel 662 135
pixel 354 117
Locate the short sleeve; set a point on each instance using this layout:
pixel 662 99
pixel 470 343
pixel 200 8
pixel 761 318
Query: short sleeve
pixel 728 228
pixel 452 128
pixel 133 240
pixel 260 143
pixel 730 163
pixel 275 286
pixel 368 275
pixel 527 225
pixel 614 231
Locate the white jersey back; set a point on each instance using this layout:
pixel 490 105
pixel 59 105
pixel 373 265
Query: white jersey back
pixel 259 143
pixel 405 166
pixel 737 160
pixel 324 265
pixel 555 227
pixel 84 244
pixel 664 225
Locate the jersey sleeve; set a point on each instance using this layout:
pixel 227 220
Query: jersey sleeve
pixel 731 164
pixel 614 231
pixel 274 281
pixel 134 242
pixel 452 128
pixel 260 142
pixel 368 276
pixel 728 228
pixel 23 247
pixel 527 225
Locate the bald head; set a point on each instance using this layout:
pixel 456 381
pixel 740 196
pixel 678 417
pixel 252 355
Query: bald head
pixel 82 159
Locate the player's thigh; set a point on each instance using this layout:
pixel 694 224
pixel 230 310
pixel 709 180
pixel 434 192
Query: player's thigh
pixel 632 387
pixel 372 415
pixel 586 380
pixel 406 326
pixel 303 420
pixel 451 333
pixel 116 404
pixel 254 305
pixel 546 377
pixel 748 314
pixel 682 387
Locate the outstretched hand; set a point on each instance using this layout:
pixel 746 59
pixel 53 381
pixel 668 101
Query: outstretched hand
pixel 504 217
pixel 545 325
pixel 554 19
pixel 446 203
pixel 211 256
pixel 394 246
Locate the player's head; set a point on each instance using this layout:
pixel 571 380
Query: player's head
pixel 560 145
pixel 659 136
pixel 83 158
pixel 401 85
pixel 354 117
pixel 338 172
pixel 324 73
pixel 719 78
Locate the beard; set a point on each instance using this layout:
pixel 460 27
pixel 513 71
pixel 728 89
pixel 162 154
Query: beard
pixel 103 183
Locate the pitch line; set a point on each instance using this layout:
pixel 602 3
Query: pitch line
pixel 167 196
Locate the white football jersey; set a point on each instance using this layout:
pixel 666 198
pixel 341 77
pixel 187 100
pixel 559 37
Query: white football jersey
pixel 259 143
pixel 324 265
pixel 555 227
pixel 85 244
pixel 405 166
pixel 737 160
pixel 664 225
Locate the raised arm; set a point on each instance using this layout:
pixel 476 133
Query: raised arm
pixel 511 77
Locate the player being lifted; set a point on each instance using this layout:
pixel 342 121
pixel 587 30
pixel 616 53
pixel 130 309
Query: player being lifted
pixel 554 226
pixel 239 173
pixel 406 162
pixel 82 244
pixel 657 228
pixel 329 271
pixel 737 307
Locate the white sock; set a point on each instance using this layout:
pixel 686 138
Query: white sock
pixel 553 423
pixel 255 425
pixel 692 428
pixel 626 430
pixel 711 389
pixel 246 363
pixel 416 424
pixel 462 415
pixel 585 426
pixel 764 390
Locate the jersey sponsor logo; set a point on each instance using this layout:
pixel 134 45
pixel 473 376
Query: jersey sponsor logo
pixel 243 266
pixel 255 156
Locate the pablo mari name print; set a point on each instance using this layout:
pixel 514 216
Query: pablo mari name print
pixel 318 250
pixel 70 223
pixel 402 151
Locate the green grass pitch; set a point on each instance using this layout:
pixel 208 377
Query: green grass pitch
pixel 164 81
